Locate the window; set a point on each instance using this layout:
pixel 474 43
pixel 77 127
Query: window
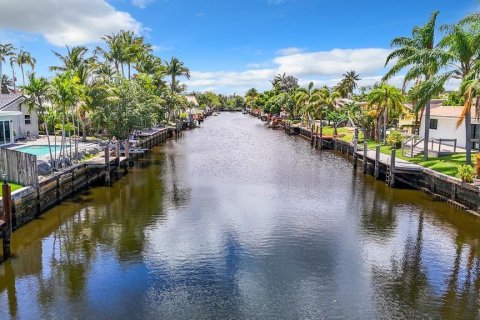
pixel 433 124
pixel 27 119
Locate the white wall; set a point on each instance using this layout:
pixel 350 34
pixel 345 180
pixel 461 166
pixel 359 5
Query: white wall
pixel 19 125
pixel 446 129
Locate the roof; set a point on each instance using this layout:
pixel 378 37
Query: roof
pixel 447 111
pixel 8 99
pixel 192 99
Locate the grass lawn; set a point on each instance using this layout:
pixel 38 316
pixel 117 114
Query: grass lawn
pixel 13 186
pixel 345 134
pixel 445 164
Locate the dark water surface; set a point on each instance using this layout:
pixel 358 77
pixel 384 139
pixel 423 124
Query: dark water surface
pixel 235 221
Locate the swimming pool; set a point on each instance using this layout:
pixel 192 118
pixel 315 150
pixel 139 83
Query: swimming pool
pixel 39 150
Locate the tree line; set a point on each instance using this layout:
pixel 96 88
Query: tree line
pixel 425 65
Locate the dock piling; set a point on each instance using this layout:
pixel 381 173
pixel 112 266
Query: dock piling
pixel 107 166
pixel 392 167
pixel 355 155
pixel 377 162
pixel 7 214
pixel 365 154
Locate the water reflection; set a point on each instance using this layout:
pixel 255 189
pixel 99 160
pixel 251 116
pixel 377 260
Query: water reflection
pixel 236 221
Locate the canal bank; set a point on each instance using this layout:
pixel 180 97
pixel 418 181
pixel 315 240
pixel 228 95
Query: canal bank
pixel 30 202
pixel 392 171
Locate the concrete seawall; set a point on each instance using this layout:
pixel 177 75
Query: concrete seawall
pixel 28 203
pixel 440 186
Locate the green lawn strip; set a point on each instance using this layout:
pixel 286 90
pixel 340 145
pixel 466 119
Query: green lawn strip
pixel 13 186
pixel 445 164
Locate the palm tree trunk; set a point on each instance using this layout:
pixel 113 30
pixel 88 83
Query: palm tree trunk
pixel 46 132
pixel 468 136
pixel 14 80
pixel 84 131
pixel 1 69
pixel 385 124
pixel 129 70
pixel 23 74
pixel 427 130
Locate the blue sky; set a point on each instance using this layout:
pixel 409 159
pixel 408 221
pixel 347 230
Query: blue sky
pixel 233 45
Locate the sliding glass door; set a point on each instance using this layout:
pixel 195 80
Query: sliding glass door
pixel 5 137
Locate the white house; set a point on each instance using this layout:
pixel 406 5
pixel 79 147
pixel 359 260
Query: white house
pixel 15 120
pixel 443 125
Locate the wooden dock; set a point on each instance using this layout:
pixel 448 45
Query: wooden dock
pixel 400 166
pixel 100 161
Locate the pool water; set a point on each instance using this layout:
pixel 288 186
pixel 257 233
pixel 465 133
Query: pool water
pixel 39 150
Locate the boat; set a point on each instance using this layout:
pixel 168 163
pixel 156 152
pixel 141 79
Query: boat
pixel 215 113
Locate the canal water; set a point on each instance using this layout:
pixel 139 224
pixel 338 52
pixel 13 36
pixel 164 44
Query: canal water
pixel 236 221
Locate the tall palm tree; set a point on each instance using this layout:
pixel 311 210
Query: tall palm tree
pixel 308 101
pixel 13 61
pixel 72 60
pixel 65 94
pixel 25 58
pixel 463 51
pixel 285 83
pixel 471 90
pixel 389 100
pixel 349 81
pixel 176 68
pixel 37 92
pixel 424 60
pixel 6 50
pixel 115 53
pixel 5 84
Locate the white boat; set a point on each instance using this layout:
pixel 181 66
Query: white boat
pixel 215 113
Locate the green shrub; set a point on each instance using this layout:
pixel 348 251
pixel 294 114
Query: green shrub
pixel 395 139
pixel 466 173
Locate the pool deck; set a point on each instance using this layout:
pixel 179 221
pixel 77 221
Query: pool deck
pixel 43 141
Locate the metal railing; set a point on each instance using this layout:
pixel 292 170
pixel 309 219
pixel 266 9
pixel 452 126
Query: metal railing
pixel 412 142
pixel 440 141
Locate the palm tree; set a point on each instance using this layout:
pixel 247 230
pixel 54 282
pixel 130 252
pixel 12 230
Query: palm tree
pixel 176 68
pixel 6 50
pixel 133 48
pixel 471 90
pixel 284 83
pixel 115 53
pixel 349 82
pixel 308 101
pixel 389 100
pixel 423 59
pixel 65 94
pixel 37 92
pixel 72 60
pixel 25 58
pixel 13 62
pixel 461 45
pixel 5 84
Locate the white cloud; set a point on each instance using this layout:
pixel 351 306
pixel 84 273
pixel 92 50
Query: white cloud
pixel 289 51
pixel 141 3
pixel 326 67
pixel 161 48
pixel 333 62
pixel 66 22
pixel 224 79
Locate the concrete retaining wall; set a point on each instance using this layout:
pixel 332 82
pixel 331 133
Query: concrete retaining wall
pixel 30 202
